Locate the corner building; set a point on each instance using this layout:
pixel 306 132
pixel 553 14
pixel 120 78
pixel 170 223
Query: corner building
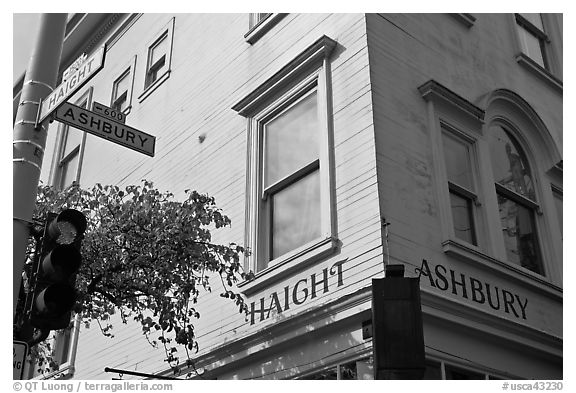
pixel 338 143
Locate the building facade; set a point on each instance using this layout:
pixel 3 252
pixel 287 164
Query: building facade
pixel 338 144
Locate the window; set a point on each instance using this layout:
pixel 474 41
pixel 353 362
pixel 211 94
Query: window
pixel 120 93
pixel 70 151
pixel 258 17
pixel 291 192
pixel 354 370
pixel 516 199
pixel 532 37
pixel 437 370
pixel 63 345
pixel 497 186
pixel 157 64
pixel 460 186
pixel 121 100
pixel 159 60
pixel 539 41
pixel 259 24
pixel 289 162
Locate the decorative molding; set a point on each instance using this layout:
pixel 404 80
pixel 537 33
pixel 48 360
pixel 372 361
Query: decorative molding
pixel 310 57
pixel 352 306
pixel 530 65
pixel 294 262
pixel 434 91
pixel 525 277
pixel 472 318
pixel 263 27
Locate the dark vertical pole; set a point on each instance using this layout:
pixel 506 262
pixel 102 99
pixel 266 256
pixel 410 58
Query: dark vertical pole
pixel 398 335
pixel 28 142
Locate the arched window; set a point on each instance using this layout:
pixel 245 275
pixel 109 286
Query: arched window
pixel 517 205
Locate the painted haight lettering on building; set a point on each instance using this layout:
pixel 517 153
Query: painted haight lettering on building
pixel 302 290
pixel 471 288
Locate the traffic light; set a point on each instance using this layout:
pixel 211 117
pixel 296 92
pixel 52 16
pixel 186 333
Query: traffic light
pixel 53 285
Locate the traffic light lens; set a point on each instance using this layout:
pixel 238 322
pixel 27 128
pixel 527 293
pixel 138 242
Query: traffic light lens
pixel 61 262
pixel 56 299
pixel 68 226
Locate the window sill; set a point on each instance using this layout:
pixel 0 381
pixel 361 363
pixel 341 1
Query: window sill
pixel 261 28
pixel 519 274
pixel 288 264
pixel 541 72
pixel 154 86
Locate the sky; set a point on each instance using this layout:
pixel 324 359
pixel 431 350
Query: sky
pixel 25 28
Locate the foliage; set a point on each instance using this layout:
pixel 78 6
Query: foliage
pixel 147 257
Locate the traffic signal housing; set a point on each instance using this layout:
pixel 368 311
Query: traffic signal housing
pixel 397 330
pixel 54 294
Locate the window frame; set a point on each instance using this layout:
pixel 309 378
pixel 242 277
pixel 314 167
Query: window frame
pixel 62 160
pixel 470 195
pixel 551 72
pixel 114 98
pixel 261 26
pixel 60 340
pixel 507 108
pixel 532 205
pixel 308 71
pixel 167 32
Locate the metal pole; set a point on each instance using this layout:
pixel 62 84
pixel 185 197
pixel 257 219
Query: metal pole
pixel 28 142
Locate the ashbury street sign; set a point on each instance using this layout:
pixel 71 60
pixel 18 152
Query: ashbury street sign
pixel 85 71
pixel 106 128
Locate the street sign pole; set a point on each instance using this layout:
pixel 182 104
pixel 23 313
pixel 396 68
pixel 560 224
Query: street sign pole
pixel 29 142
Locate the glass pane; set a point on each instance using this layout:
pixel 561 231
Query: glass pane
pixel 457 162
pixel 69 171
pixel 291 140
pixel 509 164
pixel 121 85
pixel 462 218
pixel 535 19
pixel 531 46
pixel 296 215
pixel 72 141
pixel 459 373
pixel 158 50
pixel 328 374
pixel 348 371
pixel 519 230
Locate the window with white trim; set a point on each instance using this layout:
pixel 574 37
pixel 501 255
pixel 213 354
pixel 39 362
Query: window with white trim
pixel 533 37
pixel 260 23
pixel 494 206
pixel 461 179
pixel 122 87
pixel 539 45
pixel 159 59
pixel 257 17
pixel 290 203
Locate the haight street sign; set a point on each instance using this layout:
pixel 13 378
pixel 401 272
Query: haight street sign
pixel 74 82
pixel 106 128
